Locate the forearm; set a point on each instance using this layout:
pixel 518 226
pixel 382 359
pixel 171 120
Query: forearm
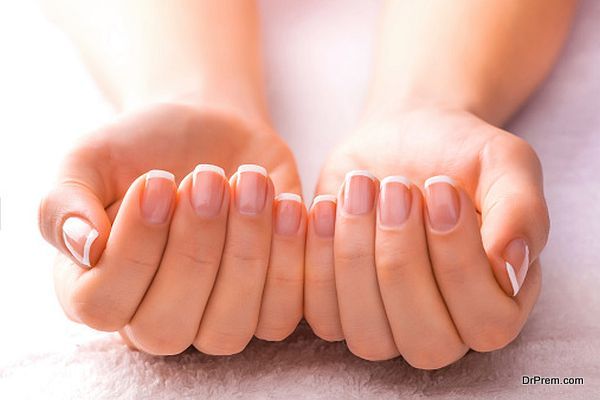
pixel 485 56
pixel 148 50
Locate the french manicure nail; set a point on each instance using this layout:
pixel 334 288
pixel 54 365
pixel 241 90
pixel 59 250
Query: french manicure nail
pixel 158 195
pixel 516 262
pixel 79 236
pixel 359 192
pixel 288 211
pixel 208 186
pixel 443 204
pixel 323 215
pixel 394 201
pixel 251 189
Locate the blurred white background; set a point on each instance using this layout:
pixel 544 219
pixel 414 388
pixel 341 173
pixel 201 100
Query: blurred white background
pixel 46 100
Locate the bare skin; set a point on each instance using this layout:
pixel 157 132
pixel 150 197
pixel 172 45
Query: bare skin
pixel 402 266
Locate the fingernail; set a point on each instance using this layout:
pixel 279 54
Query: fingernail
pixel 443 204
pixel 359 192
pixel 516 258
pixel 208 186
pixel 394 201
pixel 288 211
pixel 158 195
pixel 251 189
pixel 78 236
pixel 323 215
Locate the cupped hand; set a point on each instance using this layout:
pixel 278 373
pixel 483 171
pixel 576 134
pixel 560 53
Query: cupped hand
pixel 171 255
pixel 441 254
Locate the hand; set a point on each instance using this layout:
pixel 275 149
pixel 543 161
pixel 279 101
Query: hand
pixel 161 241
pixel 416 272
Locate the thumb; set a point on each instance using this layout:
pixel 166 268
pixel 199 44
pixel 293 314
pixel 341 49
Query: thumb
pixel 515 222
pixel 72 215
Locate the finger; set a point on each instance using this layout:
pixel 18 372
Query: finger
pixel 485 316
pixel 514 213
pixel 362 313
pixel 422 328
pixel 72 216
pixel 106 296
pixel 167 320
pixel 231 316
pixel 320 298
pixel 281 308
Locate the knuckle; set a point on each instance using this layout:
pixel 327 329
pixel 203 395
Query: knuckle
pixel 136 262
pixel 275 333
pixel 285 278
pixel 372 353
pixel 431 355
pixel 372 348
pixel 222 344
pixel 319 277
pixel 539 213
pixel 391 267
pixel 450 272
pixel 158 340
pixel 522 147
pixel 246 258
pixel 493 334
pixel 194 258
pixel 353 256
pixel 97 313
pixel 329 335
pixel 47 219
pixel 315 282
pixel 326 330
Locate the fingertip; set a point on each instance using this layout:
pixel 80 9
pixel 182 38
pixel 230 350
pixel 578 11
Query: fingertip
pixel 289 214
pixel 322 215
pixel 79 236
pixel 157 196
pixel 73 220
pixel 252 189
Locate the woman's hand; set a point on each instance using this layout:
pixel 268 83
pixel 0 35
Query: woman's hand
pixel 426 268
pixel 152 254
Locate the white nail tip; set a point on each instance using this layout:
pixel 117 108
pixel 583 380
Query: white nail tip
pixel 252 168
pixel 91 237
pixel 288 196
pixel 209 168
pixel 360 173
pixel 439 179
pixel 524 265
pixel 395 179
pixel 74 228
pixel 324 197
pixel 513 278
pixel 159 173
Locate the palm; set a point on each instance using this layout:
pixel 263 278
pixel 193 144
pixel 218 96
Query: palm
pixel 418 146
pixel 176 138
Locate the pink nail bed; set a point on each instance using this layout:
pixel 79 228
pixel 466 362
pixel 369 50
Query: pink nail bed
pixel 394 201
pixel 158 196
pixel 251 189
pixel 208 187
pixel 359 192
pixel 288 213
pixel 323 215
